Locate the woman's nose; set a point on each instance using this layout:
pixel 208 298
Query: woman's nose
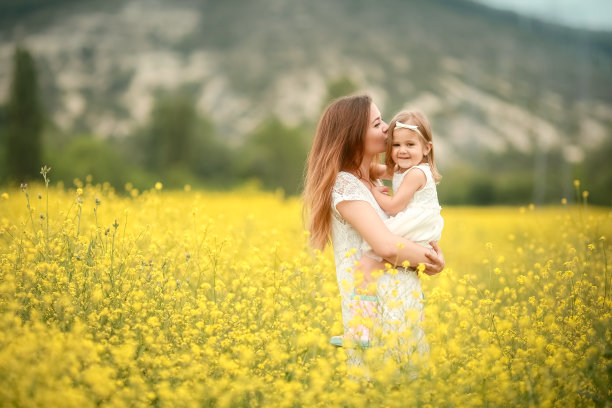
pixel 385 127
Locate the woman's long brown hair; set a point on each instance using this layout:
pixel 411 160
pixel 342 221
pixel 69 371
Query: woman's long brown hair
pixel 337 146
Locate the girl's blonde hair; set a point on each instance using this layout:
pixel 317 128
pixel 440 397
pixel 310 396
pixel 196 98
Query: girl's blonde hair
pixel 338 145
pixel 416 118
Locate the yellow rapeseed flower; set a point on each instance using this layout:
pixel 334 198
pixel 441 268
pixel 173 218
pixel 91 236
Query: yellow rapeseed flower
pixel 213 299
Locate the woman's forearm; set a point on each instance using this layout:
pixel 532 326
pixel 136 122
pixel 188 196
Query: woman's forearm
pixel 396 250
pixel 370 226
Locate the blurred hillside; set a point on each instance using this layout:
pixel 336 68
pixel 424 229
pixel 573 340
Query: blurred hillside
pixel 519 108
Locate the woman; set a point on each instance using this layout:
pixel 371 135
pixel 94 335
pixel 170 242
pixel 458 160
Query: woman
pixel 340 173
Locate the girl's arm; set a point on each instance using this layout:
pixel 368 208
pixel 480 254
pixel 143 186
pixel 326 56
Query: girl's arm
pixel 413 181
pixel 371 227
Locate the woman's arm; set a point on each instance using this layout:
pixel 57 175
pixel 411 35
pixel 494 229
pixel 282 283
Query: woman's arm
pixel 371 227
pixel 412 182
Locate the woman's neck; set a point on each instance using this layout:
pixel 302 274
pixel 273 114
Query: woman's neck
pixel 364 168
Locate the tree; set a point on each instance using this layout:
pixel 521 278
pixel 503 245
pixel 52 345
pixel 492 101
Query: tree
pixel 24 119
pixel 339 87
pixel 179 143
pixel 275 154
pixel 89 155
pixel 172 132
pixel 213 157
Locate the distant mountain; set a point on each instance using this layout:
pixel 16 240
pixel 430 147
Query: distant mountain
pixel 488 80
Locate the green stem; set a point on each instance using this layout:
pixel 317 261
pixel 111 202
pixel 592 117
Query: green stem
pixel 44 171
pixel 112 259
pixel 603 247
pixel 79 223
pixel 47 209
pixel 115 226
pixel 30 212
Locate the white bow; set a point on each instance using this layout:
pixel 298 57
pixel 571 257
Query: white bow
pixel 411 127
pixel 405 126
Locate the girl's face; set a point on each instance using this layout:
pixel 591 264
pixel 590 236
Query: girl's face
pixel 408 148
pixel 376 133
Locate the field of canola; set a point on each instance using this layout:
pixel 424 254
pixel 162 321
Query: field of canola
pixel 202 299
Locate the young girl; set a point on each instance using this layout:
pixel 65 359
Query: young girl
pixel 414 205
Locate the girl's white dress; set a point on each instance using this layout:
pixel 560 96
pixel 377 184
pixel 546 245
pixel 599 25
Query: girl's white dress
pixel 400 297
pixel 420 221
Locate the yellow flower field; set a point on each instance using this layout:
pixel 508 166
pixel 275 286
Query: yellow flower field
pixel 196 298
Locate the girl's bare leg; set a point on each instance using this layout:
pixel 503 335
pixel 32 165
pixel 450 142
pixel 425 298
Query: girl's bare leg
pixel 366 285
pixel 363 307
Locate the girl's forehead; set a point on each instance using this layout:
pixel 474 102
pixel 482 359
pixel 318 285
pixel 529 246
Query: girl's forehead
pixel 405 134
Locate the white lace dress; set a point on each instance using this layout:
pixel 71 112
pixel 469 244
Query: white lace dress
pixel 420 221
pixel 400 296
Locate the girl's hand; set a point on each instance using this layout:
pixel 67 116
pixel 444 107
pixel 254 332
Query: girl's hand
pixel 436 258
pixel 382 189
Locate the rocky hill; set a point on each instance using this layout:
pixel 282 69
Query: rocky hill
pixel 490 81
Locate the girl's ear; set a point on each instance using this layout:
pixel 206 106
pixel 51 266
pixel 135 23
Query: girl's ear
pixel 427 148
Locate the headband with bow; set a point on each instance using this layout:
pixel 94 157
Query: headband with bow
pixel 406 126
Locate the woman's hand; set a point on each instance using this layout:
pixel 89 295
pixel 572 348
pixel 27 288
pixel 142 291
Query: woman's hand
pixel 436 258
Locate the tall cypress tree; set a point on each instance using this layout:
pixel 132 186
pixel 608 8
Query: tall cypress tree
pixel 172 131
pixel 24 120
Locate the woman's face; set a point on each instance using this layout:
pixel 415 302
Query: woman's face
pixel 376 133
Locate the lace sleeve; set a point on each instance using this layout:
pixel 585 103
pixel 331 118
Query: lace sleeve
pixel 347 188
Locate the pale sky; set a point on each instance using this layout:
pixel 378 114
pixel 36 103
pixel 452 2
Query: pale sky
pixel 587 14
